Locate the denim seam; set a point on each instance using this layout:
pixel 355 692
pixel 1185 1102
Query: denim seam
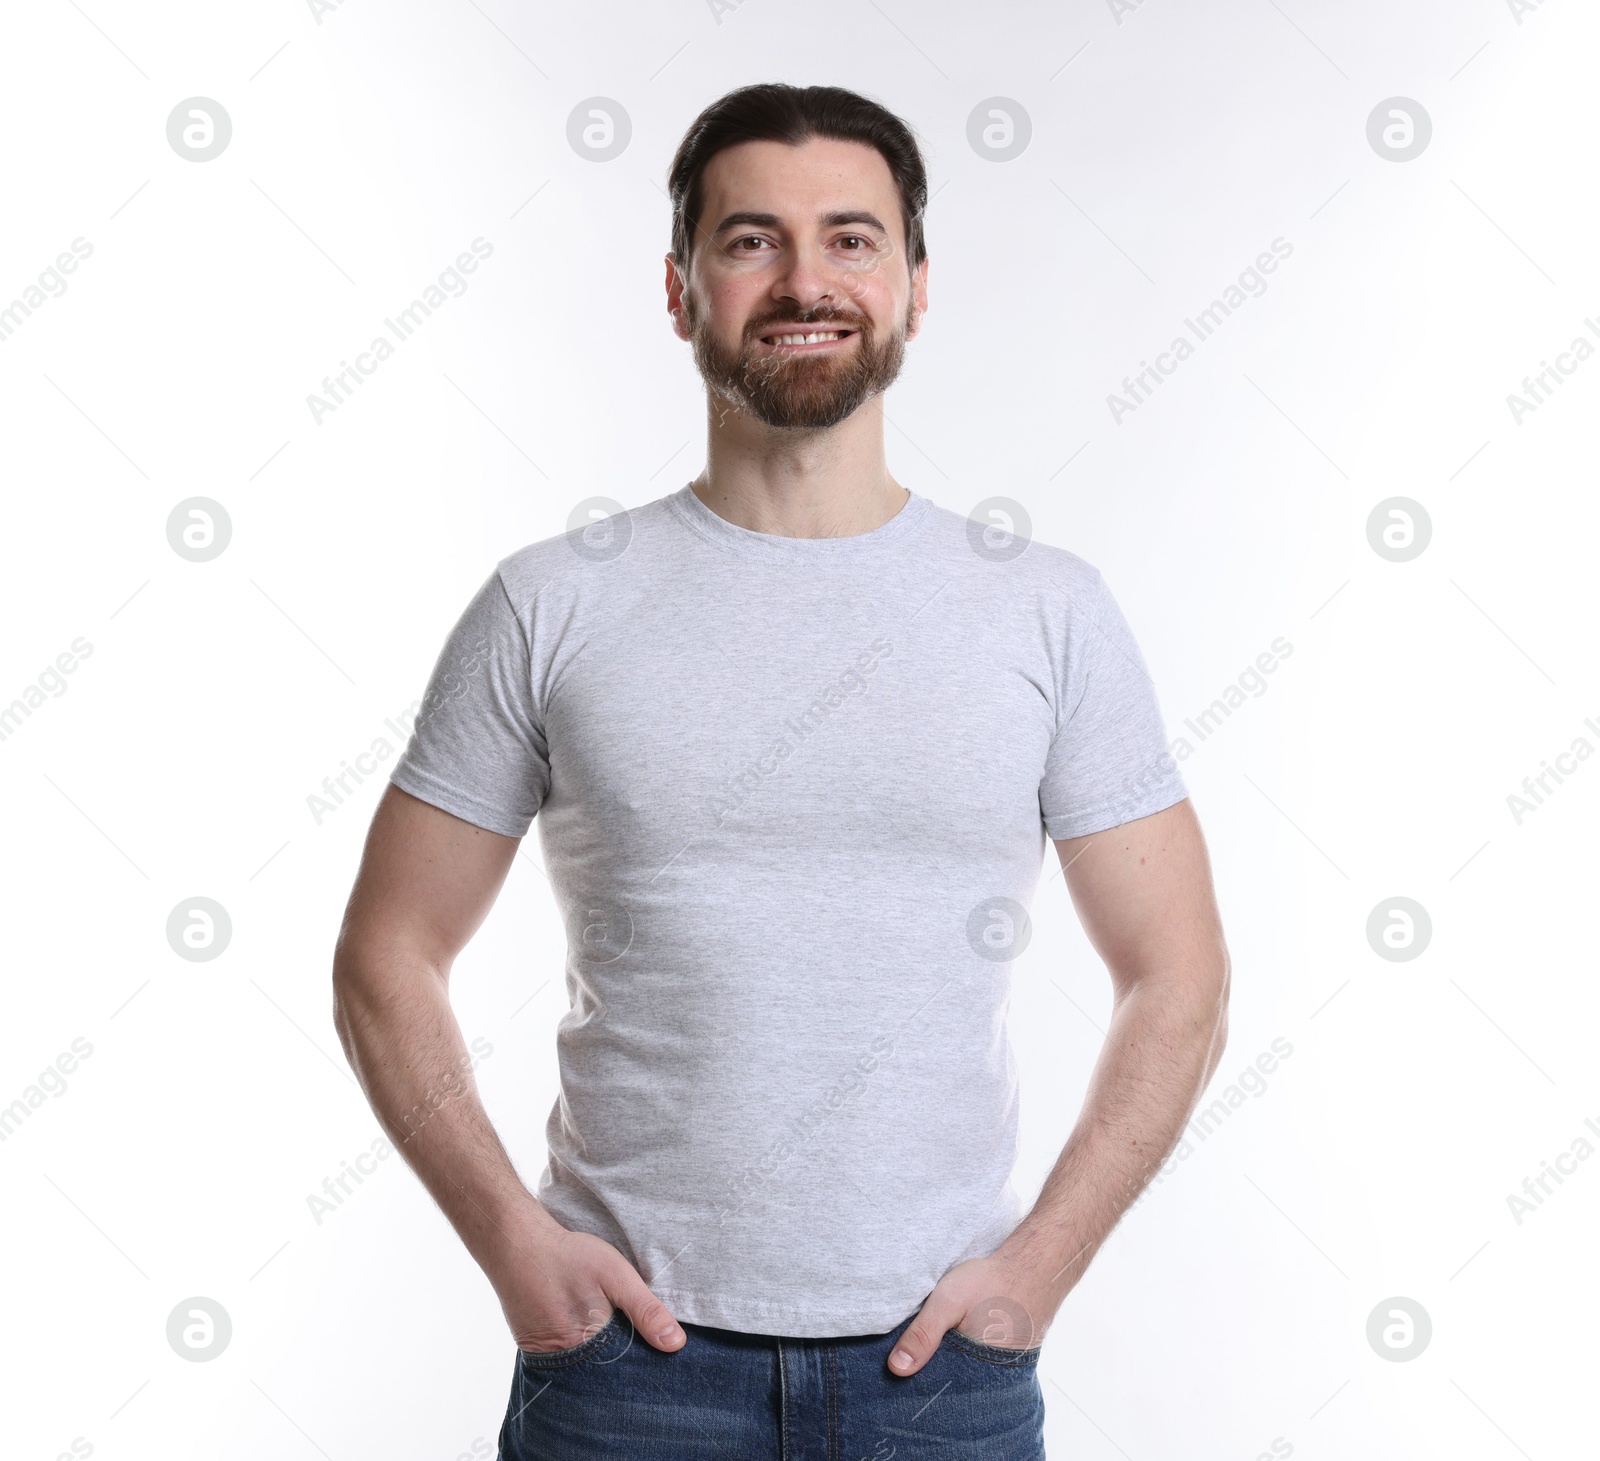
pixel 558 1358
pixel 994 1354
pixel 833 1402
pixel 783 1403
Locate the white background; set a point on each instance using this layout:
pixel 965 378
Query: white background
pixel 1171 144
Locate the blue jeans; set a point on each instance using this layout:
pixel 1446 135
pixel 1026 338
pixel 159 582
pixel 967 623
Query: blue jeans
pixel 757 1397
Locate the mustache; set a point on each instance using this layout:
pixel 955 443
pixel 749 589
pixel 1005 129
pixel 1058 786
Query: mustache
pixel 811 318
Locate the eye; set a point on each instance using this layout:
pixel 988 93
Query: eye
pixel 864 242
pixel 738 243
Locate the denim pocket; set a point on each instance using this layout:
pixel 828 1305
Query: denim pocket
pixel 995 1354
pixel 574 1354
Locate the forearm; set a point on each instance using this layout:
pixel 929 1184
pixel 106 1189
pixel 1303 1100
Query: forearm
pixel 1164 1043
pixel 392 1011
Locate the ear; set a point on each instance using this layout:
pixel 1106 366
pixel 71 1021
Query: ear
pixel 919 296
pixel 677 283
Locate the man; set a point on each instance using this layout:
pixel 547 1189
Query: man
pixel 795 737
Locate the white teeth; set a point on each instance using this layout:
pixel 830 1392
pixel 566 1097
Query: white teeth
pixel 808 339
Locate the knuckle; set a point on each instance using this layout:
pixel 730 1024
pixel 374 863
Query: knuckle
pixel 653 1315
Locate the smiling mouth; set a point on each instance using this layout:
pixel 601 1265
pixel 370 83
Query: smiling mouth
pixel 807 339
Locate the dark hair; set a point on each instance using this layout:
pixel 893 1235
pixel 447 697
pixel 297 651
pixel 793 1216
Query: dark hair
pixel 775 112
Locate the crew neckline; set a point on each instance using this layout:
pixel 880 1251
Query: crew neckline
pixel 774 548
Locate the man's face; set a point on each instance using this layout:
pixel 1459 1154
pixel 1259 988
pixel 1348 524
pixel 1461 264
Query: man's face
pixel 798 242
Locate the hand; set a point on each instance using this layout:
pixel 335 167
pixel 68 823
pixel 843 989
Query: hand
pixel 994 1300
pixel 559 1288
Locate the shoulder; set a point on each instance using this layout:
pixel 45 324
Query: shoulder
pixel 995 545
pixel 600 552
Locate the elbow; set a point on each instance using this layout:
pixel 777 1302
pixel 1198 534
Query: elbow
pixel 1222 981
pixel 1222 988
pixel 340 1003
pixel 379 980
pixel 350 989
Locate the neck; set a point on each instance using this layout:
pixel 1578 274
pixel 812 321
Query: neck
pixel 799 484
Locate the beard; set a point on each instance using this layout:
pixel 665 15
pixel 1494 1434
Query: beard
pixel 799 392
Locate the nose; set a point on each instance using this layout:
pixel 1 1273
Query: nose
pixel 808 282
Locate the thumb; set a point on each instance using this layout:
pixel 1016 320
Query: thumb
pixel 924 1334
pixel 651 1318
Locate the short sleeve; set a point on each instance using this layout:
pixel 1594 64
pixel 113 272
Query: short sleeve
pixel 1108 762
pixel 478 748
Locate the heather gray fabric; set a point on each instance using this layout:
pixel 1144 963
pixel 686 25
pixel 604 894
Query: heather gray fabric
pixel 793 797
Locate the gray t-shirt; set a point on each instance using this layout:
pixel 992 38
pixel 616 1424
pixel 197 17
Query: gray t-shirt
pixel 793 796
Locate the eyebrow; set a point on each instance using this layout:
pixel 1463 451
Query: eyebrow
pixel 747 219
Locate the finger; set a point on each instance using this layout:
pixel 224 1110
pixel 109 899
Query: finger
pixel 924 1334
pixel 651 1318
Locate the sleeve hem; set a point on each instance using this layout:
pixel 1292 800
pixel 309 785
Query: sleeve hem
pixel 460 803
pixel 1060 826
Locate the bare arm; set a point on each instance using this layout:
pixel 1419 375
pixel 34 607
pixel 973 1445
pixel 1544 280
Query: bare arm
pixel 1144 895
pixel 427 881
